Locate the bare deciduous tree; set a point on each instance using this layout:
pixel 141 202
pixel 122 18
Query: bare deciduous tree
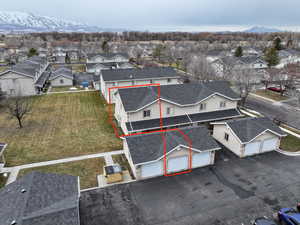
pixel 244 81
pixel 200 68
pixel 18 107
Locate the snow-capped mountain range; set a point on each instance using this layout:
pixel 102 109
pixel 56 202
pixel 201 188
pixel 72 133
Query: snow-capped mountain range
pixel 29 22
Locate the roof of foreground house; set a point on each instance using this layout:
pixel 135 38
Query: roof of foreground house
pixel 139 74
pixel 149 147
pixel 247 129
pixel 182 94
pixel 40 199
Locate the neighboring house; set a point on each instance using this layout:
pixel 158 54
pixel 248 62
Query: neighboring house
pixel 213 55
pixel 107 58
pixel 26 78
pixel 136 76
pixel 147 153
pixel 228 64
pixel 97 67
pixel 40 199
pixel 248 136
pixel 140 109
pixel 2 159
pixel 288 56
pixel 61 77
pixel 81 79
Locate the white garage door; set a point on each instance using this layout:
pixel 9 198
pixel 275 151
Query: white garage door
pixel 152 169
pixel 178 164
pixel 252 148
pixel 201 159
pixel 269 145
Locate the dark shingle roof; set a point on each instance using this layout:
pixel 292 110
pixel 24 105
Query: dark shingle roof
pixel 182 120
pixel 248 128
pixel 149 147
pixel 182 94
pixel 48 199
pixel 107 55
pixel 62 71
pixel 137 73
pixel 42 79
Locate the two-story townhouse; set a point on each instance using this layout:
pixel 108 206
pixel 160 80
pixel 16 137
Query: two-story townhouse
pixel 107 57
pixel 135 76
pixel 288 56
pixel 26 78
pixel 142 109
pixel 97 67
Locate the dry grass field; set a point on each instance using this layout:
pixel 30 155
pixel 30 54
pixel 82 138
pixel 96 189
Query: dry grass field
pixel 87 170
pixel 60 126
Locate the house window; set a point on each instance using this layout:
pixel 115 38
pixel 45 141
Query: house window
pixel 226 136
pixel 222 104
pixel 61 81
pixel 202 106
pixel 169 80
pixel 147 113
pixel 151 81
pixel 169 110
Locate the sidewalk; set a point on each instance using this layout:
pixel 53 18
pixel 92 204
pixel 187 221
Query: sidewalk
pixel 15 170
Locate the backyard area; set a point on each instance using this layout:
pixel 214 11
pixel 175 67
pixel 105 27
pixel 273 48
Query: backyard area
pixel 270 94
pixel 290 143
pixel 59 126
pixel 87 170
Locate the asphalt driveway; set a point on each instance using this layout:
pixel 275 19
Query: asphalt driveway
pixel 283 111
pixel 234 191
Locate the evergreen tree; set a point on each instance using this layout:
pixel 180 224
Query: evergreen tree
pixel 32 52
pixel 238 52
pixel 277 44
pixel 271 57
pixel 105 46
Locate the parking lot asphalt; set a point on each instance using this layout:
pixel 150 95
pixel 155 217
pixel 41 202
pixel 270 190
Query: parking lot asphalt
pixel 285 112
pixel 233 191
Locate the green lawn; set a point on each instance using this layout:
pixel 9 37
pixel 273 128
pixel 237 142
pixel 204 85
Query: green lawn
pixel 270 94
pixel 290 143
pixel 60 126
pixel 87 170
pixel 2 180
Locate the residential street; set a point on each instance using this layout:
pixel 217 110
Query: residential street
pixel 233 192
pixel 282 111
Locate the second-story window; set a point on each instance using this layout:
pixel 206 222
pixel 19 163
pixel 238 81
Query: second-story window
pixel 226 136
pixel 202 106
pixel 222 104
pixel 169 80
pixel 169 110
pixel 147 113
pixel 61 81
pixel 151 81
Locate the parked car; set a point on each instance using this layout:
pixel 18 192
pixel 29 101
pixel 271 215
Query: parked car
pixel 264 221
pixel 289 216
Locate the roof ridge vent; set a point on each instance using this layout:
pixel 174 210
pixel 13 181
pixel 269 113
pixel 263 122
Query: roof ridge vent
pixel 13 222
pixel 23 190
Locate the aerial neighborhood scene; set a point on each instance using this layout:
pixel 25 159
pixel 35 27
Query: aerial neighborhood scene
pixel 150 112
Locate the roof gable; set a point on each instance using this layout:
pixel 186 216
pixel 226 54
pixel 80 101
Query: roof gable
pixel 150 147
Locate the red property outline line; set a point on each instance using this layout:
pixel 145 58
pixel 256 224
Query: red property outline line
pixel 187 139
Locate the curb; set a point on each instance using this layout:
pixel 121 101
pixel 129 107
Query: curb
pixel 293 154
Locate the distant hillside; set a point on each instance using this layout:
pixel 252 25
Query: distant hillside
pixel 262 30
pixel 28 22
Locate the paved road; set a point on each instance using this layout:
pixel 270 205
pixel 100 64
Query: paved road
pixel 275 110
pixel 233 192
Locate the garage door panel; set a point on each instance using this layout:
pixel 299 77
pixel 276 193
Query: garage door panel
pixel 269 145
pixel 201 159
pixel 152 169
pixel 177 164
pixel 252 148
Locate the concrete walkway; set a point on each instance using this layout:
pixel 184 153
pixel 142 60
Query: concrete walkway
pixel 15 170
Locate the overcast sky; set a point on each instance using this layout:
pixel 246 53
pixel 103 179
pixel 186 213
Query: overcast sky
pixel 139 13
